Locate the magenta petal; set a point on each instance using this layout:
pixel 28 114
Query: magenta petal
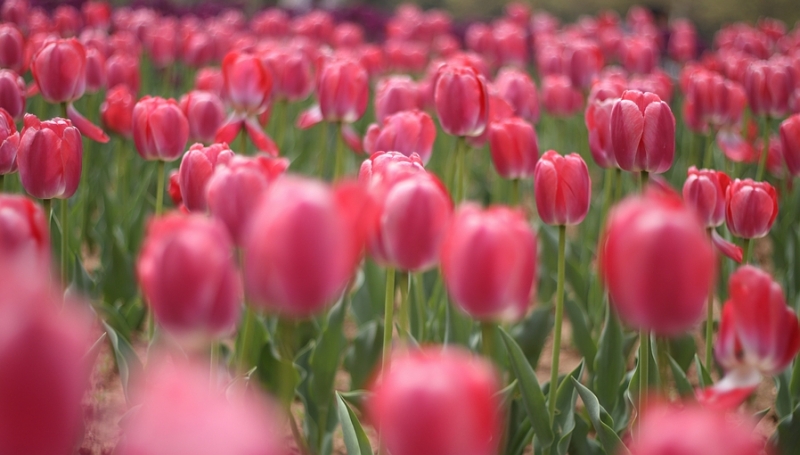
pixel 309 117
pixel 86 127
pixel 260 138
pixel 731 391
pixel 727 248
pixel 228 131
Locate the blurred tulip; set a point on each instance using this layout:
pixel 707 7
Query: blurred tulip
pixel 50 158
pixel 247 83
pixel 598 120
pixel 116 112
pixel 210 80
pixel 768 85
pixel 395 94
pixel 293 73
pixel 181 414
pixel 683 41
pixel 461 99
pixel 790 143
pixel 95 70
pixel 642 132
pixel 415 413
pixel 343 90
pixel 97 14
pixel 16 12
pixel 382 164
pixel 406 56
pixel 488 262
pixel 9 144
pixel 205 114
pixel 704 192
pixel 514 148
pixel 23 230
pixel 712 99
pixel 161 42
pixel 511 46
pixel 583 62
pixel 639 54
pixel 518 89
pixel 174 188
pixel 187 275
pixel 750 208
pixel 67 21
pixel 657 263
pixel 12 48
pixel 559 97
pixel 12 93
pixel 234 189
pixel 196 169
pixel 160 130
pixel 123 68
pixel 303 245
pixel 563 188
pixel 406 132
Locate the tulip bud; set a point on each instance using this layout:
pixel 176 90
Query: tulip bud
pixel 598 121
pixel 303 245
pixel 210 80
pixel 161 42
pixel 416 415
pixel 559 97
pixel 205 114
pixel 247 83
pixel 750 208
pixel 461 99
pixel 704 192
pixel 382 164
pixel 95 70
pixel 583 62
pixel 97 14
pixel 196 169
pixel 293 73
pixel 12 48
pixel 180 413
pixel 67 20
pixel 123 68
pixel 657 263
pixel 488 262
pixel 234 189
pixel 50 158
pixel 116 112
pixel 59 69
pixel 395 94
pixel 517 88
pixel 511 45
pixel 9 143
pixel 12 93
pixel 768 85
pixel 174 188
pixel 160 130
pixel 639 54
pixel 187 276
pixel 790 143
pixel 343 90
pixel 23 230
pixel 406 132
pixel 514 148
pixel 642 132
pixel 563 188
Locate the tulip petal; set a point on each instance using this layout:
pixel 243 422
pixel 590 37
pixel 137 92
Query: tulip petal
pixel 309 117
pixel 731 391
pixel 228 131
pixel 86 127
pixel 32 90
pixel 260 138
pixel 627 126
pixel 727 248
pixel 352 139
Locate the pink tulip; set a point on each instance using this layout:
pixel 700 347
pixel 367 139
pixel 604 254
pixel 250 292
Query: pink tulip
pixel 9 143
pixel 704 192
pixel 514 148
pixel 210 80
pixel 518 89
pixel 123 68
pixel 601 102
pixel 563 188
pixel 50 158
pixel 768 85
pixel 293 73
pixel 395 94
pixel 511 44
pixel 205 113
pixel 343 90
pixel 406 132
pixel 160 130
pixel 559 97
pixel 116 112
pixel 461 99
pixel 381 165
pixel 642 132
pixel 247 83
pixel 750 208
pixel 639 54
pixel 12 51
pixel 790 143
pixel 23 230
pixel 12 93
pixel 197 166
pixel 583 62
pixel 95 70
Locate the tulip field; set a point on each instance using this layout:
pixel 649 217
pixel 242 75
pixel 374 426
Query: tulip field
pixel 297 232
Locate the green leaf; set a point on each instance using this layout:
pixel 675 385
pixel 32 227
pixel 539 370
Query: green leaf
pixel 565 411
pixel 355 439
pixel 789 433
pixel 703 377
pixel 326 355
pixel 252 328
pixel 363 355
pixel 531 334
pixel 128 363
pixel 683 385
pixel 602 422
pixel 610 363
pixel 506 394
pixel 760 414
pixel 581 334
pixel 783 402
pixel 532 395
pixel 278 375
pixel 683 350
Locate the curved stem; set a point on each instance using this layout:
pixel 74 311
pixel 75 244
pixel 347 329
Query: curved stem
pixel 160 188
pixel 488 340
pixel 64 241
pixel 339 163
pixel 764 151
pixel 709 156
pixel 709 321
pixel 404 283
pixel 388 317
pixel 562 246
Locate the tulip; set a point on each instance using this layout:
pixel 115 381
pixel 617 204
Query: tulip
pixel 642 133
pixel 461 99
pixel 12 52
pixel 790 143
pixel 234 189
pixel 415 414
pixel 704 192
pixel 750 208
pixel 694 430
pixel 293 73
pixel 16 12
pixel 210 80
pixel 597 118
pixel 657 263
pixel 479 39
pixel 97 14
pixel 343 90
pixel 583 62
pixel 180 413
pixel 205 114
pixel 381 165
pixel 303 245
pixel 188 278
pixel 559 97
pixel 517 88
pixel 161 42
pixel 12 93
pixel 174 188
pixel 50 157
pixel 395 94
pixel 514 148
pixel 768 85
pixel 23 230
pixel 67 20
pixel 9 144
pixel 563 188
pixel 488 261
pixel 116 112
pixel 196 169
pixel 160 129
pixel 639 54
pixel 406 132
pixel 406 56
pixel 95 70
pixel 123 68
pixel 510 44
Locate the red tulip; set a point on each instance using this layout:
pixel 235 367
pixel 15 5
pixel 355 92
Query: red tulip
pixel 657 263
pixel 406 132
pixel 683 41
pixel 161 42
pixel 303 245
pixel 247 83
pixel 488 262
pixel 479 39
pixel 116 112
pixel 187 275
pixel 768 85
pixel 23 230
pixel 381 165
pixel 174 188
pixel 234 189
pixel 750 208
pixel 514 148
pixel 559 97
pixel 704 192
pixel 181 414
pixel 599 105
pixel 462 100
pixel 271 23
pixel 790 143
pixel 198 49
pixel 563 188
pixel 517 88
pixel 67 21
pixel 123 68
pixel 9 143
pixel 12 48
pixel 293 73
pixel 196 169
pixel 205 113
pixel 95 70
pixel 16 12
pixel 210 80
pixel 406 56
pixel 437 402
pixel 583 62
pixel 12 93
pixel 511 44
pixel 160 130
pixel 50 157
pixel 395 94
pixel 343 90
pixel 712 99
pixel 97 14
pixel 639 54
pixel 642 132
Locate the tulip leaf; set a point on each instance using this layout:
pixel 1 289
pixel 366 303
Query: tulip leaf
pixel 683 350
pixel 564 422
pixel 609 363
pixel 703 376
pixel 355 439
pixel 363 354
pixel 531 334
pixel 783 401
pixel 128 363
pixel 531 392
pixel 788 433
pixel 278 375
pixel 581 334
pixel 326 355
pixel 601 420
pixel 682 383
pixel 506 394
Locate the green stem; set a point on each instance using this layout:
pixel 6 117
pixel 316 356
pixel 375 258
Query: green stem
pixel 419 297
pixel 64 110
pixel 47 205
pixel 748 251
pixel 608 186
pixel 709 327
pixel 562 246
pixel 322 147
pixel 404 283
pixel 160 187
pixel 488 340
pixel 618 182
pixel 247 327
pixel 645 179
pixel 214 362
pixel 388 317
pixel 765 150
pixel 2 183
pixel 64 240
pixel 515 192
pixel 709 156
pixel 283 112
pixel 644 367
pixel 338 170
